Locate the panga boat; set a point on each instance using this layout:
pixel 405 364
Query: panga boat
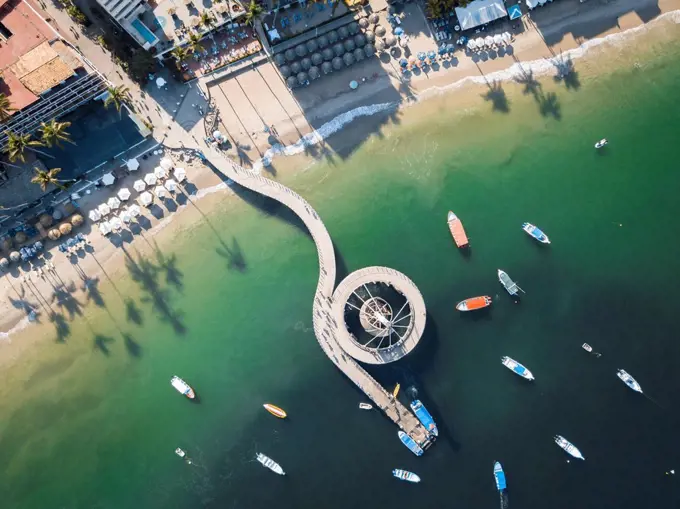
pixel 536 233
pixel 424 417
pixel 405 475
pixel 629 380
pixel 568 447
pixel 275 411
pixel 179 452
pixel 500 476
pixel 182 387
pixel 517 368
pixel 511 287
pixel 601 143
pixel 365 406
pixel 270 463
pixel 457 230
pixel 410 443
pixel 474 303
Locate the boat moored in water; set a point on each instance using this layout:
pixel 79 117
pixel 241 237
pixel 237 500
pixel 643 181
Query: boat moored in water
pixel 510 286
pixel 536 232
pixel 499 475
pixel 517 368
pixel 182 387
pixel 410 443
pixel 474 303
pixel 275 411
pixel 365 406
pixel 457 230
pixel 568 447
pixel 629 380
pixel 601 143
pixel 405 475
pixel 424 417
pixel 269 463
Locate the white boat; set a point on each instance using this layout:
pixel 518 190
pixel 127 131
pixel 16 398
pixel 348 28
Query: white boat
pixel 270 463
pixel 365 406
pixel 517 368
pixel 601 143
pixel 629 380
pixel 405 475
pixel 568 447
pixel 179 452
pixel 182 387
pixel 587 347
pixel 535 232
pixel 511 287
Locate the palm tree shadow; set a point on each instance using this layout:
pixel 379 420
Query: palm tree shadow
pixel 531 85
pixel 233 254
pixel 549 105
pixel 63 294
pixel 27 307
pixel 101 343
pixel 497 97
pixel 168 264
pixel 566 73
pixel 132 346
pixel 62 327
pixel 91 288
pixel 242 154
pixel 133 313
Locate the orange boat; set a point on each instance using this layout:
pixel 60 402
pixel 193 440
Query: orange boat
pixel 474 303
pixel 275 411
pixel 457 230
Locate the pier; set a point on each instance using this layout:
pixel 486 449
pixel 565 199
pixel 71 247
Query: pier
pixel 329 303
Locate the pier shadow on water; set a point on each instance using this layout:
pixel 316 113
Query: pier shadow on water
pixel 341 270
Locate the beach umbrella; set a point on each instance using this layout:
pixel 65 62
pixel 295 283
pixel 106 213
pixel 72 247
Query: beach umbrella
pixel 390 40
pixel 380 45
pixel 431 55
pixel 471 44
pixel 542 2
pixel 108 179
pixel 124 194
pixel 77 220
pixel 285 71
pixel 322 41
pixel 94 215
pixel 360 40
pixel 312 46
pixel 279 59
pixel 343 33
pixel 57 215
pixel 338 49
pixel 180 174
pixel 302 78
pixel 373 18
pixel 369 50
pixel 20 238
pixel 479 42
pixel 403 62
pixel 4 263
pixel 327 54
pixel 370 36
pixel 507 38
pixel 314 73
pixel 498 39
pixel 171 185
pixel 290 55
pixel 150 179
pixel 125 216
pixel 160 192
pixel 422 56
pixel 160 172
pixel 359 54
pixel 488 40
pixel 398 31
pixel 160 82
pixel 45 220
pixel 353 28
pixel 292 82
pixel 349 45
pixel 450 48
pixel 113 202
pixel 65 228
pixel 337 63
pixel 146 198
pixel 332 37
pixel 7 244
pixel 306 63
pixel 380 31
pixel 104 209
pixel 353 85
pixel 116 224
pixel 15 256
pixel 295 68
pixel 412 60
pixel 326 67
pixel 53 234
pixel 363 23
pixel 442 49
pixel 134 210
pixel 348 58
pixel 104 228
pixel 38 246
pixel 139 186
pixel 132 164
pixel 166 164
pixel 300 50
pixel 317 59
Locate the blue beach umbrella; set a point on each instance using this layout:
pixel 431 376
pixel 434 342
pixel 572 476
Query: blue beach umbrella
pixel 450 48
pixel 442 50
pixel 403 62
pixel 398 31
pixel 432 55
pixel 422 55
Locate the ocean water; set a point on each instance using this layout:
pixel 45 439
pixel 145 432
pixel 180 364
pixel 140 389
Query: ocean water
pixel 91 421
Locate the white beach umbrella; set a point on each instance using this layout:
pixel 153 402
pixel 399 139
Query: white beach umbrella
pixel 104 209
pixel 125 216
pixel 113 202
pixel 134 210
pixel 104 228
pixel 94 215
pixel 171 185
pixel 160 172
pixel 150 179
pixel 180 174
pixel 116 224
pixel 488 40
pixel 497 39
pixel 507 38
pixel 471 44
pixel 139 185
pixel 132 164
pixel 542 2
pixel 146 198
pixel 479 42
pixel 160 191
pixel 124 194
pixel 531 3
pixel 108 179
pixel 160 82
pixel 166 164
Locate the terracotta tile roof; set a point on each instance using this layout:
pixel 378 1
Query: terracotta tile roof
pixel 47 76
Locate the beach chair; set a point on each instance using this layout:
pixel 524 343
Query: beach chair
pixel 297 18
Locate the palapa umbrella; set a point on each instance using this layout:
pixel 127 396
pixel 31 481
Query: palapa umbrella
pixel 353 28
pixel 180 174
pixel 171 185
pixel 327 67
pixel 337 63
pixel 139 185
pixel 322 41
pixel 108 179
pixel 348 58
pixel 20 238
pixel 292 82
pixel 497 39
pixel 57 215
pixel 124 194
pixel 343 32
pixel 160 192
pixel 160 172
pixel 360 40
pixel 104 209
pixel 317 59
pixel 65 228
pixel 15 256
pixel 166 164
pixel 4 263
pixel 327 54
pixel 373 18
pixel 146 198
pixel 285 71
pixel 279 59
pixel 488 40
pixel 369 50
pixel 300 50
pixel 306 63
pixel 295 68
pixel 380 45
pixel 53 234
pixel 45 220
pixel 104 228
pixel 363 23
pixel 77 220
pixel 312 46
pixel 7 244
pixel 150 179
pixel 314 73
pixel 94 215
pixel 113 202
pixel 359 54
pixel 338 49
pixel 349 45
pixel 132 164
pixel 302 78
pixel 125 216
pixel 134 210
pixel 290 55
pixel 507 38
pixel 116 224
pixel 332 37
pixel 370 36
pixel 380 31
pixel 390 40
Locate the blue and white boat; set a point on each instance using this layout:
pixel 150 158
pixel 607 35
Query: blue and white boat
pixel 536 233
pixel 405 475
pixel 410 443
pixel 500 476
pixel 424 417
pixel 517 368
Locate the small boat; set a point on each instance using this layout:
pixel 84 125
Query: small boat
pixel 182 387
pixel 517 368
pixel 601 143
pixel 365 406
pixel 474 303
pixel 587 347
pixel 457 230
pixel 275 411
pixel 499 476
pixel 410 443
pixel 536 233
pixel 405 475
pixel 179 452
pixel 395 392
pixel 568 447
pixel 270 463
pixel 424 417
pixel 629 380
pixel 511 287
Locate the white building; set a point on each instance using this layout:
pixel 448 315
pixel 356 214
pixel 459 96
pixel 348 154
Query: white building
pixel 128 14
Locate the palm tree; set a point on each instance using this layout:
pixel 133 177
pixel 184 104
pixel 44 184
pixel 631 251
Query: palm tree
pixel 117 96
pixel 463 3
pixel 17 144
pixel 253 11
pixel 53 133
pixel 46 177
pixel 206 20
pixel 433 9
pixel 5 108
pixel 180 53
pixel 194 42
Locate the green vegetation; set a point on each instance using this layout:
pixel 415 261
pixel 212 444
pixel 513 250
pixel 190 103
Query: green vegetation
pixel 17 144
pixel 118 96
pixel 5 108
pixel 438 8
pixel 207 20
pixel 194 42
pixel 46 177
pixel 253 11
pixel 180 53
pixel 76 14
pixel 53 133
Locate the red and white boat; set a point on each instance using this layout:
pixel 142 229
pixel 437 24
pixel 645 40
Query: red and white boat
pixel 474 303
pixel 457 230
pixel 182 387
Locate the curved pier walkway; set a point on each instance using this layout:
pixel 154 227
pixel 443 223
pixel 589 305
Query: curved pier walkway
pixel 328 323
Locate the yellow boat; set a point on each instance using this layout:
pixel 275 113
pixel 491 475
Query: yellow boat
pixel 275 411
pixel 396 390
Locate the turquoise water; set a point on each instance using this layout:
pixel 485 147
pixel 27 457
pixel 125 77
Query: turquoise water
pixel 227 306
